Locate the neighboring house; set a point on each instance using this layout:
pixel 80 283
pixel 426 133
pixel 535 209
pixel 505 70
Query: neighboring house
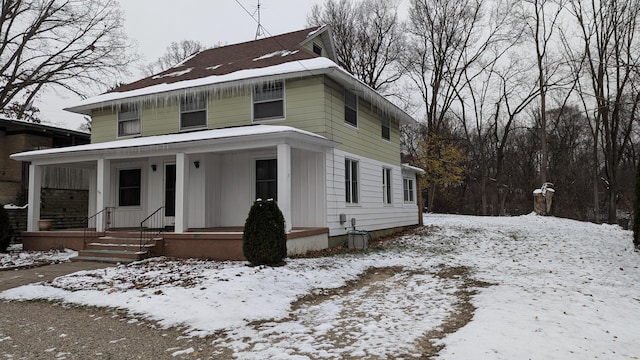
pixel 64 190
pixel 271 118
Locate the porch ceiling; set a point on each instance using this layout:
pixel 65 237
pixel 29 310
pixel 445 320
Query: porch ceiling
pixel 236 138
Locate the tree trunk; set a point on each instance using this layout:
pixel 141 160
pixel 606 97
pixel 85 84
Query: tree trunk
pixel 596 180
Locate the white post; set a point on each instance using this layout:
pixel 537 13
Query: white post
pixel 35 185
pixel 284 184
pixel 103 187
pixel 182 193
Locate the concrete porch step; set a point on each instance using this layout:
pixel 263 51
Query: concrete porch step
pixel 122 254
pixel 102 259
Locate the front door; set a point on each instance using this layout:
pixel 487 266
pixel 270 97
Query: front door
pixel 170 194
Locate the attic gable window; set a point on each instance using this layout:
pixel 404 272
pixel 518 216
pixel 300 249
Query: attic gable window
pixel 268 101
pixel 317 49
pixel 128 120
pixel 350 108
pixel 193 112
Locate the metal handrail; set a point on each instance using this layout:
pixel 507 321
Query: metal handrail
pixel 106 212
pixel 153 228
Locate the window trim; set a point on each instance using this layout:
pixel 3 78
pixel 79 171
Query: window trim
pixel 272 118
pixel 119 187
pixel 205 109
pixel 349 182
pixel 408 192
pixel 387 189
pixel 385 123
pixel 138 118
pixel 346 106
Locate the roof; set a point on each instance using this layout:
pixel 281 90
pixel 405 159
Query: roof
pixel 243 66
pixel 42 127
pixel 228 59
pixel 181 140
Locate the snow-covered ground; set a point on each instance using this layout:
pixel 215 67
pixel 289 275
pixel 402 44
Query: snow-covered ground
pixel 16 258
pixel 560 289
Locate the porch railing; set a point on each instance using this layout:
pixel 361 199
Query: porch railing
pixel 151 227
pixel 90 226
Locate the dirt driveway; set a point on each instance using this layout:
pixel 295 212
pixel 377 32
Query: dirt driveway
pixel 43 330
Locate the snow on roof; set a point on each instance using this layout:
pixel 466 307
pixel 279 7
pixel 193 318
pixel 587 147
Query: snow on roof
pixel 280 53
pixel 164 140
pixel 173 74
pixel 113 98
pixel 413 168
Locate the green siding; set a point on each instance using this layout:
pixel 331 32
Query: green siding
pixel 103 125
pixel 229 110
pixel 314 104
pixel 365 140
pixel 304 105
pixel 160 120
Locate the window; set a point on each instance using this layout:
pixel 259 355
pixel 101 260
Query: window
pixel 386 186
pixel 407 185
pixel 268 101
pixel 350 108
pixel 128 120
pixel 317 49
pixel 267 179
pixel 129 187
pixel 386 132
pixel 351 181
pixel 193 111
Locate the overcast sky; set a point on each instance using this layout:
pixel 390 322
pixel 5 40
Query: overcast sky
pixel 154 24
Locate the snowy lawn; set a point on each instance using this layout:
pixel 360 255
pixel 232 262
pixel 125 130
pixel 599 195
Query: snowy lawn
pixel 16 258
pixel 541 288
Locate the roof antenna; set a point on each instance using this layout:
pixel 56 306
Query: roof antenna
pixel 259 30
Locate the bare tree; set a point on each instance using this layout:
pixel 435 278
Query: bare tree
pixel 449 37
pixel 175 53
pixel 70 44
pixel 609 57
pixel 369 38
pixel 540 18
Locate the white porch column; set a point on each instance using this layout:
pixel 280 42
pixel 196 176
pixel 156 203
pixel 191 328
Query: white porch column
pixel 103 189
pixel 35 185
pixel 182 193
pixel 284 184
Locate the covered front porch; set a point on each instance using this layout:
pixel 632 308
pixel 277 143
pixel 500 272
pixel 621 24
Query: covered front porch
pixel 195 188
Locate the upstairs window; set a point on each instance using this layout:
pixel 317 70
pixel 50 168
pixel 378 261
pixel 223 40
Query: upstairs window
pixel 351 181
pixel 128 120
pixel 386 186
pixel 386 131
pixel 129 187
pixel 193 112
pixel 268 101
pixel 408 190
pixel 267 179
pixel 317 49
pixel 350 108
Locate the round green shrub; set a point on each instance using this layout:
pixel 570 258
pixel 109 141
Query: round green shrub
pixel 264 241
pixel 6 230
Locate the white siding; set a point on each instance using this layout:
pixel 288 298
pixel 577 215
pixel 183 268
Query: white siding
pixel 370 213
pixel 237 196
pixel 308 189
pixel 213 208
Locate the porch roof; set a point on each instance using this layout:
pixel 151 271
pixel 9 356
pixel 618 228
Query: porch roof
pixel 241 137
